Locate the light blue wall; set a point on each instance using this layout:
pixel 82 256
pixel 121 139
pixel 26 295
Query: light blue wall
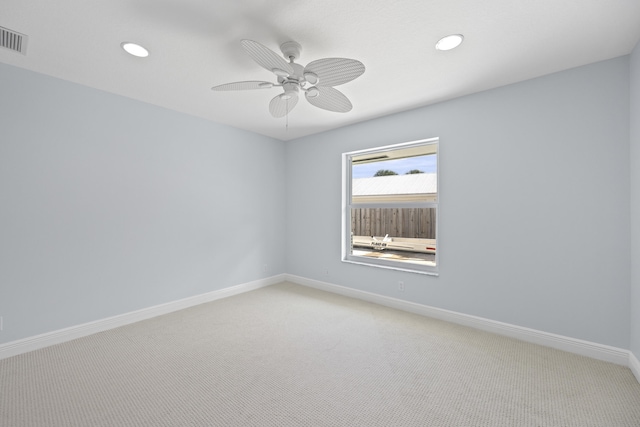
pixel 635 202
pixel 109 205
pixel 534 204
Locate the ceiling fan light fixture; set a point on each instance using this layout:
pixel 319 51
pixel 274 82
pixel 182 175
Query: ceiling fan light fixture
pixel 135 49
pixel 449 42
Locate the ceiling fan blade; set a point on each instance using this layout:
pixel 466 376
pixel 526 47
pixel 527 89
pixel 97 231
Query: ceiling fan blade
pixel 243 86
pixel 267 58
pixel 280 107
pixel 330 99
pixel 335 71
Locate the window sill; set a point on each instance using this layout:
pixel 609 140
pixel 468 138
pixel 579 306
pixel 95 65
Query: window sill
pixel 407 269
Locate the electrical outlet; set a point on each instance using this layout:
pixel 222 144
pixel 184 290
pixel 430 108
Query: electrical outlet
pixel 401 286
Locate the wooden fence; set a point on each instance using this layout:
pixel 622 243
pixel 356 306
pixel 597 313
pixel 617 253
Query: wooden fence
pixel 417 223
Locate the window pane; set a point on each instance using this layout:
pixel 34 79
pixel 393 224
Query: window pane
pixel 406 179
pixel 390 206
pixel 398 234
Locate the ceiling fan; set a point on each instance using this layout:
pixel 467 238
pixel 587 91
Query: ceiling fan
pixel 316 80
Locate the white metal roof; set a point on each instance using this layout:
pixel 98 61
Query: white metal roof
pixel 418 183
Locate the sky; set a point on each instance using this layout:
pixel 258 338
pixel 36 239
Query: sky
pixel 400 166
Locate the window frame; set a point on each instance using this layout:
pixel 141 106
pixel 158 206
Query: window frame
pixel 347 205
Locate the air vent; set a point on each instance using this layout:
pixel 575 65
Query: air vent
pixel 12 40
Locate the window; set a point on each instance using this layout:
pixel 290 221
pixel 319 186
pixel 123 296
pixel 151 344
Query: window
pixel 390 206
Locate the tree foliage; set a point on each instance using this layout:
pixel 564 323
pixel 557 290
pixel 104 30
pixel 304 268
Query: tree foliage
pixel 412 171
pixel 385 172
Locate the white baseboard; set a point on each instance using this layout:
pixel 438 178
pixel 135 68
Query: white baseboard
pixel 572 345
pixel 25 345
pixel 634 365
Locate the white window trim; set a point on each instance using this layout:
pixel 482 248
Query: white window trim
pixel 346 256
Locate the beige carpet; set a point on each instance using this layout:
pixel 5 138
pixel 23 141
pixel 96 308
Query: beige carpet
pixel 287 355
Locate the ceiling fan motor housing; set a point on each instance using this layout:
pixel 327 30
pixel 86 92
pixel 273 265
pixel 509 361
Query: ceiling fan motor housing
pixel 291 87
pixel 298 72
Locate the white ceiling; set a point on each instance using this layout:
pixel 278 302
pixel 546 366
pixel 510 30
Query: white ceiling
pixel 195 44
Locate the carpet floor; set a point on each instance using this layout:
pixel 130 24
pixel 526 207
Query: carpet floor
pixel 288 355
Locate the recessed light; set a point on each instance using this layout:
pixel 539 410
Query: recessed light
pixel 135 49
pixel 449 42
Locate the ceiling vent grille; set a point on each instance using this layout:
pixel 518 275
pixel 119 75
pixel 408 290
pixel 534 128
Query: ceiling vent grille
pixel 12 40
